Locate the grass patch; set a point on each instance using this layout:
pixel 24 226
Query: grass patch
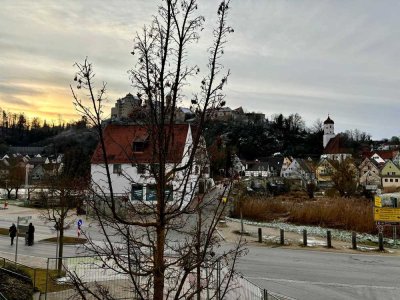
pixel 4 231
pixel 38 276
pixel 67 240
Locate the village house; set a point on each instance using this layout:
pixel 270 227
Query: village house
pixel 257 168
pixel 324 171
pixel 390 175
pixel 300 172
pixel 381 156
pixel 130 157
pixel 285 164
pixel 369 174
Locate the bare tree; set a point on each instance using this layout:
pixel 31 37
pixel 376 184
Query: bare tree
pixel 14 177
pixel 345 177
pixel 63 196
pixel 161 245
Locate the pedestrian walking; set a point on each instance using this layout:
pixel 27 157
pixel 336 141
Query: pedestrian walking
pixel 31 234
pixel 13 233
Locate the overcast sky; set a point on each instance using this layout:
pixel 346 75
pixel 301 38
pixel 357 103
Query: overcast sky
pixel 286 56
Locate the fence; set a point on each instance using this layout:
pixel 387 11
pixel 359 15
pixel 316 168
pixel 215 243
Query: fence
pixel 26 276
pixel 31 272
pixel 116 284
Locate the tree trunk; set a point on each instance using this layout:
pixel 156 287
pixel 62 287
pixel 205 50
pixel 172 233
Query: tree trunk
pixel 159 264
pixel 16 193
pixel 198 270
pixel 60 247
pixel 8 194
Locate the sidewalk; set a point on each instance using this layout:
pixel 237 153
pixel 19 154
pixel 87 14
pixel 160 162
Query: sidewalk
pixel 293 240
pixel 43 228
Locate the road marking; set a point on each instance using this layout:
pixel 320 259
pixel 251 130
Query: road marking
pixel 326 283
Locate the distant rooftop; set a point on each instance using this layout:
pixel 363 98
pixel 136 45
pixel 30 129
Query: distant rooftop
pixel 26 150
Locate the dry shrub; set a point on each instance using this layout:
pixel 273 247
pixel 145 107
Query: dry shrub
pixel 259 208
pixel 341 213
pixel 295 196
pixel 354 214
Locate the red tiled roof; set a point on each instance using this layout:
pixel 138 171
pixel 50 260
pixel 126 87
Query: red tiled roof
pixel 119 144
pixel 384 154
pixel 334 146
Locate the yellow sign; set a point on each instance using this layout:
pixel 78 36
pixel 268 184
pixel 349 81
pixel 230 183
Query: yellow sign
pixel 378 201
pixel 224 199
pixel 387 214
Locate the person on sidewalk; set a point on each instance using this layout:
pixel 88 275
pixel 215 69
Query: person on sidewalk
pixel 13 233
pixel 31 234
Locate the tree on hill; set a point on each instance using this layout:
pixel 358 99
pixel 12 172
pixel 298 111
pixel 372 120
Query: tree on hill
pixel 345 177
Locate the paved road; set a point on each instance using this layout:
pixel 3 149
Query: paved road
pixel 323 275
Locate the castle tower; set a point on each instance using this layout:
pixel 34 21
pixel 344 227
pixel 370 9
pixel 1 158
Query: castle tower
pixel 329 130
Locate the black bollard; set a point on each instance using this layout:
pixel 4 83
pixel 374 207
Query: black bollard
pixel 259 235
pixel 304 237
pixel 328 239
pixel 380 237
pixel 282 237
pixel 354 240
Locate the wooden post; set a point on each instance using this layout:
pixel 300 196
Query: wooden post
pixel 354 240
pixel 282 237
pixel 259 235
pixel 380 236
pixel 328 239
pixel 305 237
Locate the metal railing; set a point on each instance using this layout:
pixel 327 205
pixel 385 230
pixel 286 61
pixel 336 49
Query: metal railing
pixel 32 272
pixel 118 285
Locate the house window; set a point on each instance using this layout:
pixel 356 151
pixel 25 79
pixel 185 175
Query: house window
pixel 138 146
pixel 141 168
pixel 396 180
pixel 117 169
pixel 151 192
pixel 137 192
pixel 386 180
pixel 391 180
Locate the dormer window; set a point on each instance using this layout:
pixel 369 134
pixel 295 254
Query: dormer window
pixel 138 146
pixel 140 143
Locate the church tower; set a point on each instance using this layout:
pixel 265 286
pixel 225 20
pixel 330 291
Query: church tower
pixel 329 130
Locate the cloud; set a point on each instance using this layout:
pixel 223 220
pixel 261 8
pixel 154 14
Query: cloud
pixel 12 100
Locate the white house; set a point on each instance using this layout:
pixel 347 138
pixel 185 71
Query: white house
pixel 299 170
pixel 130 155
